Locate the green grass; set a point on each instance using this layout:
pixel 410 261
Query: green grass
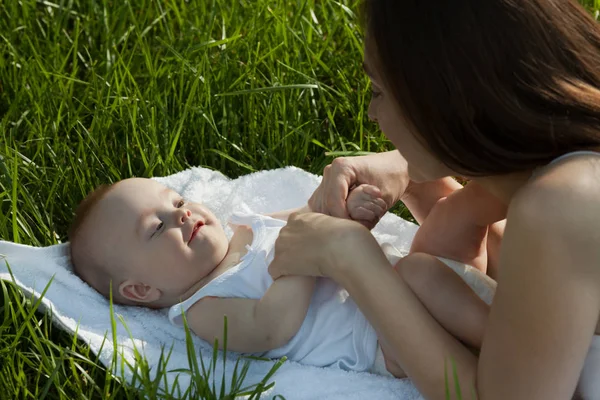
pixel 93 91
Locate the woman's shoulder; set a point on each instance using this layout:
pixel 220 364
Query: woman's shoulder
pixel 565 179
pixel 564 196
pixel 555 219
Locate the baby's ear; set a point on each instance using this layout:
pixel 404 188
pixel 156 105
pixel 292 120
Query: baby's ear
pixel 139 292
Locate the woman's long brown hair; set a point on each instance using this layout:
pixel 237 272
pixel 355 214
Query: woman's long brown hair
pixel 491 86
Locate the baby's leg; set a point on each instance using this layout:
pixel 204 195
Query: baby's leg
pixel 390 364
pixel 457 227
pixel 446 296
pixel 449 231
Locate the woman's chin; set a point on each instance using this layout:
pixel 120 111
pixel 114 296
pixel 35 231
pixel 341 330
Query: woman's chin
pixel 416 176
pixel 421 176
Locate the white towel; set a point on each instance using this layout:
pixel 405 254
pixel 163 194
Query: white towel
pixel 73 302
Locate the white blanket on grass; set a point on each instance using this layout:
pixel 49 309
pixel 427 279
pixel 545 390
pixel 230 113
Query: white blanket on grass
pixel 77 307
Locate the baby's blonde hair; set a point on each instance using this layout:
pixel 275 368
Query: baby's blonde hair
pixel 86 263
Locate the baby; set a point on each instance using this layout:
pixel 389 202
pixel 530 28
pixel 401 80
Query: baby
pixel 158 250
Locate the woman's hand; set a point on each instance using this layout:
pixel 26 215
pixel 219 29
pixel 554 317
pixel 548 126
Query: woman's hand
pixel 314 244
pixel 386 171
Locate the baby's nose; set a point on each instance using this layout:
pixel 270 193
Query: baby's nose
pixel 185 215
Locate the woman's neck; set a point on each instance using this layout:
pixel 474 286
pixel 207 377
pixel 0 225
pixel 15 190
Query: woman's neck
pixel 506 186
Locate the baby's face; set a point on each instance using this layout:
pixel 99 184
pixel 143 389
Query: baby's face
pixel 159 239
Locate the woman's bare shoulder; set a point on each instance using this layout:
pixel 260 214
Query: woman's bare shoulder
pixel 561 208
pixel 568 187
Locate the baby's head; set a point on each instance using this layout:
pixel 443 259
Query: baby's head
pixel 147 240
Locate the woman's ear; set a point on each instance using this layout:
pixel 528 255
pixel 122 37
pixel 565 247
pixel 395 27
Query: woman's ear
pixel 139 292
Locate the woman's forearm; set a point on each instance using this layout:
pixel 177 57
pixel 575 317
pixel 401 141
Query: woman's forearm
pixel 284 215
pixel 420 198
pixel 421 346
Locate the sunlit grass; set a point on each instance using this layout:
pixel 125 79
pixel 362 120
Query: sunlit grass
pixel 93 91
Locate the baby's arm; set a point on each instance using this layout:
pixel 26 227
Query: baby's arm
pixel 364 204
pixel 255 325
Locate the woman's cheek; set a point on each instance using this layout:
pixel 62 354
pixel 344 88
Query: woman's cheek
pixel 390 129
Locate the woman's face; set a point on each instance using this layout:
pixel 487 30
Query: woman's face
pixel 383 109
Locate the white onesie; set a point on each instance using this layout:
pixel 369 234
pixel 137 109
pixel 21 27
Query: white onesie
pixel 334 332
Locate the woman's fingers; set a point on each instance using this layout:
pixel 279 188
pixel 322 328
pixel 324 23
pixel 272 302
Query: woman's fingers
pixel 311 244
pixel 336 193
pixel 384 173
pixel 330 196
pixel 297 249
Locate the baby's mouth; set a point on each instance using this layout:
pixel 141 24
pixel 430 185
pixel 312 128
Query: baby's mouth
pixel 197 227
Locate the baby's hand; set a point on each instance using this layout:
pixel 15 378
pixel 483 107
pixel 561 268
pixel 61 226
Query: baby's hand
pixel 365 204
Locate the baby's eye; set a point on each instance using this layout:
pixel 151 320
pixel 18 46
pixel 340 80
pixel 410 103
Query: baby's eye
pixel 180 203
pixel 159 226
pixel 375 93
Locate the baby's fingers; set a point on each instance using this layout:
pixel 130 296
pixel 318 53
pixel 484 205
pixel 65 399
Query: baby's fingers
pixel 372 191
pixel 363 214
pixel 370 211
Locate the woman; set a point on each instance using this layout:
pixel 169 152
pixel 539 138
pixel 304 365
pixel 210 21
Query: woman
pixel 507 94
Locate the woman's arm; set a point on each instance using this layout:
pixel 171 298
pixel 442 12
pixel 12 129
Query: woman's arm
pixel 542 318
pixel 548 300
pixel 347 252
pixel 285 214
pixel 540 326
pixel 416 340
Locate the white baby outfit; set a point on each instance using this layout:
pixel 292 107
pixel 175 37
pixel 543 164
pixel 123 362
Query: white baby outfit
pixel 334 332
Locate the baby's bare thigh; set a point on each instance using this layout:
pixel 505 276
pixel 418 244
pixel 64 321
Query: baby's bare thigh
pixel 449 232
pixel 390 364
